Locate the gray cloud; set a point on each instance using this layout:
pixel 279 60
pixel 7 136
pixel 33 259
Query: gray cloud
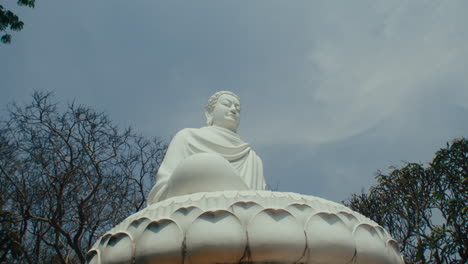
pixel 331 90
pixel 370 67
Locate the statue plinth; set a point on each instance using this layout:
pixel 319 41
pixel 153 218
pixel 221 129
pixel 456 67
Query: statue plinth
pixel 246 227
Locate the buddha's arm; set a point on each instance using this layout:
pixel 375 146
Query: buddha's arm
pixel 176 153
pixel 261 184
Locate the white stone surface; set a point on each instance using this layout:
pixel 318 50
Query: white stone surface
pixel 209 207
pixel 207 172
pixel 181 173
pixel 246 226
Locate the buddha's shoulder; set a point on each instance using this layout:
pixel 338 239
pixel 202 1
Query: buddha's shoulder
pixel 187 131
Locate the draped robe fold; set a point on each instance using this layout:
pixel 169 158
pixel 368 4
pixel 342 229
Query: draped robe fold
pixel 211 139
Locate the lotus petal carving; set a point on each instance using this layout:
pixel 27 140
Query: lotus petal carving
pixel 246 227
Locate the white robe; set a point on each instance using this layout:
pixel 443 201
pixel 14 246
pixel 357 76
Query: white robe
pixel 211 139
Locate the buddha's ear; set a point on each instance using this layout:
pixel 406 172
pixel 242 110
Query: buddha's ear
pixel 209 118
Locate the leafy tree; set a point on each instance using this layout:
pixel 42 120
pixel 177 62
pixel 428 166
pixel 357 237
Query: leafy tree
pixel 424 207
pixel 10 20
pixel 67 175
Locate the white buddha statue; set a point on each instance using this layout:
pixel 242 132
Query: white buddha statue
pixel 237 226
pixel 211 158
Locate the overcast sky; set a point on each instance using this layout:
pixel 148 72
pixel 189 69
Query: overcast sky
pixel 331 91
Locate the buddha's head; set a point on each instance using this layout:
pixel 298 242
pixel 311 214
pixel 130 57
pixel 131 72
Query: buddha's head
pixel 223 110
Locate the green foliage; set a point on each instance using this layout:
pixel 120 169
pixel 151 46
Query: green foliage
pixel 424 207
pixel 6 38
pixel 28 3
pixel 10 21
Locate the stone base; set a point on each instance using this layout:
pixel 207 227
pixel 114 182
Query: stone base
pixel 246 227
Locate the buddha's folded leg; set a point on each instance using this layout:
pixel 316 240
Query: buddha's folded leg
pixel 203 172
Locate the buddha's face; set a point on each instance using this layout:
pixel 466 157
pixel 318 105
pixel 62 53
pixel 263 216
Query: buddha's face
pixel 226 112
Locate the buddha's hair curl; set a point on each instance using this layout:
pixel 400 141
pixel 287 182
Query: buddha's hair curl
pixel 214 98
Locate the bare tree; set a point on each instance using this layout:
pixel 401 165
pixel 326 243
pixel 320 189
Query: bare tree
pixel 68 175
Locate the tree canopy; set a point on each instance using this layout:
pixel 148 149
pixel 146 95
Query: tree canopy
pixel 424 207
pixel 10 21
pixel 68 174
